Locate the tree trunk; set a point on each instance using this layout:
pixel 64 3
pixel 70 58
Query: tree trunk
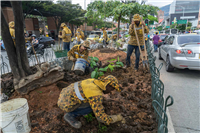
pixel 22 58
pixel 10 48
pixel 118 27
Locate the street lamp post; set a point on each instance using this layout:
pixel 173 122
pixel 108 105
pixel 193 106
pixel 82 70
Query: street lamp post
pixel 43 20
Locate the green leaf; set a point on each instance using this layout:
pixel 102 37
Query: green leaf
pixel 96 69
pixel 103 69
pixel 118 58
pixel 101 74
pixel 112 59
pixel 112 63
pixel 93 74
pixel 117 65
pixel 96 59
pixel 120 63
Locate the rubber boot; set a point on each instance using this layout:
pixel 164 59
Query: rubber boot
pixel 72 121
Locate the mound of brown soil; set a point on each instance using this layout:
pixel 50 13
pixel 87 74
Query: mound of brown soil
pixel 134 103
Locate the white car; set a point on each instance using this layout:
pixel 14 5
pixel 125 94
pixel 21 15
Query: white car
pixel 181 51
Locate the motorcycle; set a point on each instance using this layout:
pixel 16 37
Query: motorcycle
pixel 39 49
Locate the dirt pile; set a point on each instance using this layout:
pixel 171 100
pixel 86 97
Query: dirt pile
pixel 134 103
pixel 105 55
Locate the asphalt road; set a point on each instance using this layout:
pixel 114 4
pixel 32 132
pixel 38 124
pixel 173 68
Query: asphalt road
pixel 184 87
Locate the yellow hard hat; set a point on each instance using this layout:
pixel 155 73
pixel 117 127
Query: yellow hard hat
pixel 62 25
pixel 86 44
pixel 78 29
pixel 102 28
pixel 12 24
pixel 102 82
pixel 136 17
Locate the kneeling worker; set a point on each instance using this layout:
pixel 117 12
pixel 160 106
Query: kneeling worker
pixel 85 96
pixel 79 51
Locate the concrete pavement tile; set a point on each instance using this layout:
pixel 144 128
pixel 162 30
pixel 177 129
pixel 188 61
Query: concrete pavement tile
pixel 193 131
pixel 181 130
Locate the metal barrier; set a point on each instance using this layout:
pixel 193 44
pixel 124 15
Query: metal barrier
pixel 157 92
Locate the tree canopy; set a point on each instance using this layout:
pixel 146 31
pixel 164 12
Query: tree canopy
pixel 120 11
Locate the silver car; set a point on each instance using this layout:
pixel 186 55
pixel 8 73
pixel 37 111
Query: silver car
pixel 181 51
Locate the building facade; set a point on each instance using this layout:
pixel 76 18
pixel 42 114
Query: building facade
pixel 185 10
pixel 160 16
pixel 198 25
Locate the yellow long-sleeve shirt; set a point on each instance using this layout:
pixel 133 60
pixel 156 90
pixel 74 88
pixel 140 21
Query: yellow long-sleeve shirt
pixel 66 34
pixel 75 53
pixel 92 94
pixel 12 33
pixel 132 40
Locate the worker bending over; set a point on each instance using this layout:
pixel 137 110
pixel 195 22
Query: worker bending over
pixel 83 97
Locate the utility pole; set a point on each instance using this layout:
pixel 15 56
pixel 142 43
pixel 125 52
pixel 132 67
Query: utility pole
pixel 85 4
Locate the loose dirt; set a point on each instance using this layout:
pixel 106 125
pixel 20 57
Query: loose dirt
pixel 133 102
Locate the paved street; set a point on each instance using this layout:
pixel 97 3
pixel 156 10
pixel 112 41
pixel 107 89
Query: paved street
pixel 184 86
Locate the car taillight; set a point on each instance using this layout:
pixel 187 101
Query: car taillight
pixel 178 51
pixel 189 52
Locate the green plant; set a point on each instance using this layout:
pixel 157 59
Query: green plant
pixel 119 63
pixel 39 91
pixel 93 61
pixel 102 128
pixel 126 36
pixel 89 117
pixel 96 73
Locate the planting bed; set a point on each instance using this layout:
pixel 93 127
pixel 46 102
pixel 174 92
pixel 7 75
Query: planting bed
pixel 134 102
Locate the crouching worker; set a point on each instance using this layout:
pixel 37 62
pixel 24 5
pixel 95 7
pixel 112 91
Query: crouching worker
pixel 79 51
pixel 85 96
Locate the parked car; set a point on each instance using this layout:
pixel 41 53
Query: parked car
pixel 181 51
pixel 162 37
pixel 93 37
pixel 47 41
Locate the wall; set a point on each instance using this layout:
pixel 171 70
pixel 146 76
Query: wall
pixel 198 25
pixel 32 26
pixel 8 14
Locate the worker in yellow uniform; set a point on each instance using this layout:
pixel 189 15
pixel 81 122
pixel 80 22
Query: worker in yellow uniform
pixel 114 37
pixel 132 43
pixel 12 30
pixel 79 51
pixel 80 35
pixel 83 97
pixel 66 36
pixel 105 36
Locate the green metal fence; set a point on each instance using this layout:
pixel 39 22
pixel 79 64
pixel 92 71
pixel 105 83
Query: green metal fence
pixel 157 92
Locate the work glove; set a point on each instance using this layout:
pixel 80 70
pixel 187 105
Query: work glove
pixel 72 58
pixel 116 118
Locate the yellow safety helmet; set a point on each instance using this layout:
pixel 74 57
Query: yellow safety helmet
pixel 78 29
pixel 136 17
pixel 86 44
pixel 62 25
pixel 102 82
pixel 103 28
pixel 12 24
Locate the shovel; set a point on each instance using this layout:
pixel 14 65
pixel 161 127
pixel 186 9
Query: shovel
pixel 145 50
pixel 143 62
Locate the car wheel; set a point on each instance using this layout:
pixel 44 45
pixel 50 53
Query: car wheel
pixel 159 54
pixel 169 67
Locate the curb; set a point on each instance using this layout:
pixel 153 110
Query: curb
pixel 170 123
